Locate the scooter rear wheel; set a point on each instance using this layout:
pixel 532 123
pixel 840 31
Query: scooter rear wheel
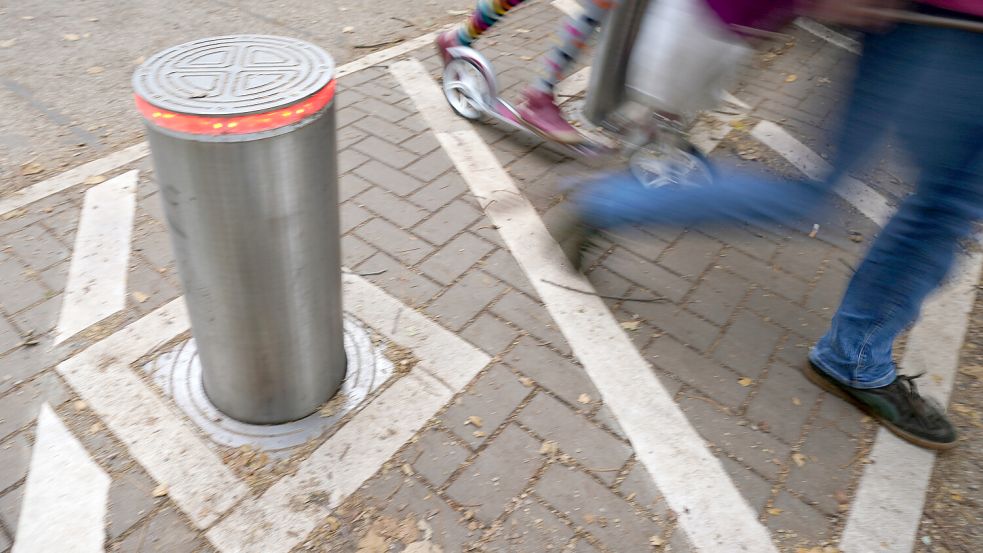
pixel 466 89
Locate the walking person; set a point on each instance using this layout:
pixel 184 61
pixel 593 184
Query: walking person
pixel 924 83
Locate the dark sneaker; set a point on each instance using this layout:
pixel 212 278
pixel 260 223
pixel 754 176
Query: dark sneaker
pixel 898 406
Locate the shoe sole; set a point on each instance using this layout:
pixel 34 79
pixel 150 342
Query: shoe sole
pixel 819 380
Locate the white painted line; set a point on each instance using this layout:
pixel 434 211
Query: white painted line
pixel 73 177
pixel 273 523
pixel 829 35
pixel 96 285
pixel 65 496
pixel 868 201
pixel 569 7
pixel 710 509
pixel 156 435
pixel 891 495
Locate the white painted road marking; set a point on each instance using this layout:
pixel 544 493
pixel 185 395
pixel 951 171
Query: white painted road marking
pixel 711 510
pixel 829 35
pixel 867 200
pixel 272 523
pixel 569 7
pixel 887 510
pixel 65 496
pixel 156 435
pixel 96 285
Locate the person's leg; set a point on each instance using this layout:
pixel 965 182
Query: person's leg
pixel 484 17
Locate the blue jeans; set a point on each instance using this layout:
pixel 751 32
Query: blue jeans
pixel 924 83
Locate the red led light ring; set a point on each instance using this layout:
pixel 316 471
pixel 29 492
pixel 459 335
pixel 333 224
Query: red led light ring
pixel 238 124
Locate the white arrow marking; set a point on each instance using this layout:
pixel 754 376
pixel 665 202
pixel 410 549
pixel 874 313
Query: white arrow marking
pixel 96 285
pixel 65 498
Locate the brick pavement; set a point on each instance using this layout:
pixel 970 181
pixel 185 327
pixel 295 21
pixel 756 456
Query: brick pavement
pixel 548 469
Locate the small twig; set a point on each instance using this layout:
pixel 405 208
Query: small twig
pixel 401 20
pixel 711 402
pixel 616 298
pixel 371 273
pixel 407 250
pixel 589 469
pixel 378 44
pixel 30 339
pixel 396 321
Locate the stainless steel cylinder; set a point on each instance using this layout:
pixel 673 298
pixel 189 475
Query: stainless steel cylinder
pixel 609 70
pixel 242 135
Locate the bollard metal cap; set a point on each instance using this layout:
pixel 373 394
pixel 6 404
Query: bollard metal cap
pixel 235 84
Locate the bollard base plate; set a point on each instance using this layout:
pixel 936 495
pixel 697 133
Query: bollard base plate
pixel 178 373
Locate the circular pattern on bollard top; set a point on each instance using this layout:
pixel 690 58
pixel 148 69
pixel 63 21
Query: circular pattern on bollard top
pixel 234 84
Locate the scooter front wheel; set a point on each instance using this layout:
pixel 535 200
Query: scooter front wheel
pixel 466 88
pixel 686 166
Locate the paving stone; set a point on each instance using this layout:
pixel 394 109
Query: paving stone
pixel 416 501
pixel 354 250
pixel 677 322
pixel 827 468
pixel 165 532
pixel 499 474
pixel 397 242
pixel 447 222
pixel 716 295
pixel 489 334
pixel 386 152
pixel 464 300
pixel 750 240
pixel 607 283
pixel 15 457
pixel 352 215
pixel 594 448
pixel 755 489
pixel 602 513
pixel 784 402
pixel 550 370
pixel 41 318
pixel 798 523
pixel 410 287
pixel 748 344
pixel 580 545
pixel 430 166
pixel 19 365
pixel 455 258
pixel 349 135
pixel 393 208
pixel 529 528
pixel 651 277
pixel 440 192
pixel 55 278
pixel 6 542
pixel 606 419
pixel 753 448
pixel 835 412
pixel 532 317
pixel 350 159
pixel 638 485
pixel 639 243
pixel 397 182
pixel 130 500
pixel 36 246
pixel 503 266
pixel 9 336
pixel 385 110
pixel 802 258
pixel 17 278
pixel 691 255
pixel 534 165
pixel 436 455
pixel 788 315
pixel 383 129
pixel 19 407
pixel 422 144
pixel 763 276
pixel 151 205
pixel 350 186
pixel 145 281
pixel 152 242
pixel 828 291
pixel 493 397
pixel 10 503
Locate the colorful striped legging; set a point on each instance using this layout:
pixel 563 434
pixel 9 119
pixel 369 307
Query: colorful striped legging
pixel 573 34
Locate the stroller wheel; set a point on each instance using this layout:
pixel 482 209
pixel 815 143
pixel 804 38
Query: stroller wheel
pixel 466 88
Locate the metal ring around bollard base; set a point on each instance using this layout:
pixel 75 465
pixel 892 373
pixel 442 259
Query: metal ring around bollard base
pixel 242 134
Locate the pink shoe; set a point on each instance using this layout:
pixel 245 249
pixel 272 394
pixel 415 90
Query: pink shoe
pixel 540 112
pixel 445 41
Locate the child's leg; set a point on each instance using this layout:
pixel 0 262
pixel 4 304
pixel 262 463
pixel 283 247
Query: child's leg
pixel 573 38
pixel 485 15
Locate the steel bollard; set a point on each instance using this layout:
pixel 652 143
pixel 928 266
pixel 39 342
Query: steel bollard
pixel 242 136
pixel 609 70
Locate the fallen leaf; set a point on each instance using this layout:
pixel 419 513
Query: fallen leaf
pixel 478 434
pixel 631 325
pixel 745 381
pixel 407 469
pixel 656 541
pixel 32 168
pixel 584 398
pixel 92 19
pixel 80 405
pixel 160 491
pixel 796 401
pixel 774 511
pixel 27 17
pixel 71 37
pixel 139 60
pixel 956 496
pixel 474 420
pixel 526 381
pixel 94 70
pixel 523 31
pixel 791 78
pixel 94 179
pixel 348 29
pixel 140 297
pixel 458 12
pixel 12 214
pixel 799 459
pixel 824 80
pixel 525 58
pixel 549 447
pixel 8 43
pixel 590 519
pixel 95 428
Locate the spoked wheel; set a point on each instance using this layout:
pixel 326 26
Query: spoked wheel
pixel 466 89
pixel 671 166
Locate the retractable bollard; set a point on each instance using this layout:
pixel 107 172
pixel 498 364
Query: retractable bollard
pixel 242 135
pixel 609 69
